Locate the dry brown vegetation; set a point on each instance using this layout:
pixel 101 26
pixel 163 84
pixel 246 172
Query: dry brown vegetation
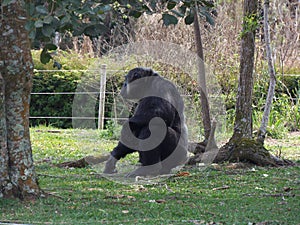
pixel 221 42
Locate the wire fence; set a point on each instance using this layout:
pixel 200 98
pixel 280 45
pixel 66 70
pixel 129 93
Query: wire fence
pixel 97 92
pixel 100 94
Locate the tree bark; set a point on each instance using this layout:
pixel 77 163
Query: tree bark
pixel 202 79
pixel 242 146
pixel 206 150
pixel 271 92
pixel 4 176
pixel 248 150
pixel 243 117
pixel 18 177
pixel 238 147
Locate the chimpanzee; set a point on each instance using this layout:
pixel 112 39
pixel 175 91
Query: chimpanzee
pixel 157 129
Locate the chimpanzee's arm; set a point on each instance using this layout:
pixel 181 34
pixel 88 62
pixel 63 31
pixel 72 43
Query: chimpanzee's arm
pixel 121 150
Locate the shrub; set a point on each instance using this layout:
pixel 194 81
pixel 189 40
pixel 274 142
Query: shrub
pixel 45 81
pixel 285 111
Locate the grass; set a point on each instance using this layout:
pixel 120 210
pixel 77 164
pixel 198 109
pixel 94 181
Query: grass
pixel 216 195
pixel 287 147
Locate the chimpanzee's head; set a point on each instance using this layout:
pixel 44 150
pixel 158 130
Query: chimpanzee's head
pixel 136 82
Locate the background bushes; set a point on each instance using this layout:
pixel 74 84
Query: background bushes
pixel 284 117
pixel 55 105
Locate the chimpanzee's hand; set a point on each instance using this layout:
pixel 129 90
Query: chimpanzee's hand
pixel 110 166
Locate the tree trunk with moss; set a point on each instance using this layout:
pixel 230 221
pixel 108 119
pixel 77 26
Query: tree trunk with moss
pixel 17 173
pixel 243 114
pixel 242 146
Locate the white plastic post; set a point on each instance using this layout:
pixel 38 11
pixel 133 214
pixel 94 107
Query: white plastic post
pixel 102 97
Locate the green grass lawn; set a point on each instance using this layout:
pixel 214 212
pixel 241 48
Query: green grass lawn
pixel 216 195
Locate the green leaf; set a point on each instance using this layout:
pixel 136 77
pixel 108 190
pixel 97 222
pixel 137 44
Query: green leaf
pixel 135 13
pixel 65 20
pixel 30 9
pixel 86 9
pixel 7 2
pixel 171 5
pixel 60 11
pixel 42 10
pixel 105 2
pixel 47 30
pixel 104 8
pixel 207 15
pixel 75 4
pixel 38 23
pixel 169 19
pixel 95 30
pixel 32 34
pixel 45 56
pixel 179 14
pixel 48 19
pixel 209 4
pixel 189 19
pixel 78 30
pixel 187 3
pixel 50 46
pixel 55 22
pixel 182 9
pixel 146 9
pixel 57 65
pixel 153 4
pixel 29 25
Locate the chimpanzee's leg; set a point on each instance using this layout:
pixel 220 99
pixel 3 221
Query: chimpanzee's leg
pixel 173 150
pixel 150 159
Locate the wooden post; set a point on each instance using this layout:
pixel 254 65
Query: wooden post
pixel 102 97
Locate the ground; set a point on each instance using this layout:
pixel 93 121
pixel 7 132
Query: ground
pixel 287 147
pixel 215 195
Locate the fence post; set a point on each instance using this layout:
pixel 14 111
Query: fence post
pixel 102 97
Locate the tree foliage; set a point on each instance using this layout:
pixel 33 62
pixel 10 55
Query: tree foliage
pixel 96 17
pixel 171 10
pixel 46 17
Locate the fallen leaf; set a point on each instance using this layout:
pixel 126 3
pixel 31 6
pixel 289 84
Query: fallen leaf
pixel 282 203
pixel 131 198
pixel 94 189
pixel 160 201
pixel 115 196
pixel 183 174
pixel 157 201
pixel 221 188
pixel 286 189
pixel 140 188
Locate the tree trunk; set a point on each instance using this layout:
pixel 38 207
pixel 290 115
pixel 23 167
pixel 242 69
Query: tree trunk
pixel 4 177
pixel 242 146
pixel 202 79
pixel 238 145
pixel 206 150
pixel 18 177
pixel 265 119
pixel 243 116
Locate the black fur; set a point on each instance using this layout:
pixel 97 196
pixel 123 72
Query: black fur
pixel 157 97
